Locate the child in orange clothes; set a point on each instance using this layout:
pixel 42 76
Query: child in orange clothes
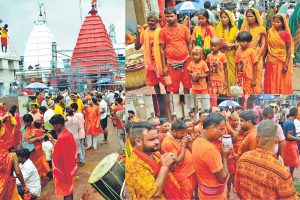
pixel 198 70
pixel 216 61
pixel 246 63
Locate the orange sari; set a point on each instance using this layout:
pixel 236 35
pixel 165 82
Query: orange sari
pixel 257 33
pixel 277 82
pixel 37 156
pixel 9 127
pixel 8 187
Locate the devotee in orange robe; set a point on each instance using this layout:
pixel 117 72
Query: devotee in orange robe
pixel 64 159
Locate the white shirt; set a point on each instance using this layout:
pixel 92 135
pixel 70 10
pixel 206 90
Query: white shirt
pixel 31 177
pixel 212 20
pixel 48 114
pixel 80 117
pixel 44 103
pixel 111 97
pixel 297 125
pixel 103 104
pixel 48 149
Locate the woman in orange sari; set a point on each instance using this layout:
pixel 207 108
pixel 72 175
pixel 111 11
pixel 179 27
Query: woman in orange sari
pixel 35 135
pixel 10 122
pixel 279 65
pixel 254 25
pixel 9 164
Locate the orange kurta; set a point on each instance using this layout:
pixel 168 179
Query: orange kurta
pixel 92 119
pixel 245 61
pixel 276 81
pixel 217 78
pixel 249 142
pixel 37 156
pixel 184 172
pixel 175 40
pixel 260 175
pixel 207 161
pixel 257 32
pixel 198 68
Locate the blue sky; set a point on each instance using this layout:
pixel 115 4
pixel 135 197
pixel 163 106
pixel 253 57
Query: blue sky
pixel 63 17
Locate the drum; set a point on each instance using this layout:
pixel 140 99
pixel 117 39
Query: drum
pixel 108 177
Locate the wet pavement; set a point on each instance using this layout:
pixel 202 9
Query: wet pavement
pixel 82 189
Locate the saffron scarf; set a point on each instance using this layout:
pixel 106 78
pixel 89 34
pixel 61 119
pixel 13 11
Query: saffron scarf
pixel 155 50
pixel 171 189
pixel 257 31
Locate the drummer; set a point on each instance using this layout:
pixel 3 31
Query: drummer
pixel 147 172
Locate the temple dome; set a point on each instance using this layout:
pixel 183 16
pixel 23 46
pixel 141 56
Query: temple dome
pixel 38 50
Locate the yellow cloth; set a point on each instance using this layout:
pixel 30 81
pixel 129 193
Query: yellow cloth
pixel 230 37
pixel 59 110
pixel 3 33
pixel 79 103
pixel 198 32
pixel 13 120
pixel 128 149
pixel 140 179
pixel 155 50
pixel 15 195
pixel 276 46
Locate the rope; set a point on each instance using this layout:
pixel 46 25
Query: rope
pixel 80 8
pixel 11 46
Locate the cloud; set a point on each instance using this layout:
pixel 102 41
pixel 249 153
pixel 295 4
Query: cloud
pixel 63 17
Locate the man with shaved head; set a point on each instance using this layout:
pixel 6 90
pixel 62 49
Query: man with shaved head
pixel 268 113
pixel 259 174
pixel 237 135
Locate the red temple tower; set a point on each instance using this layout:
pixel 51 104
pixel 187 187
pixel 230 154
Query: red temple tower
pixel 94 48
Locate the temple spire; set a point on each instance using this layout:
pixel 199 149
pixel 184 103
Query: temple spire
pixel 42 16
pixel 93 11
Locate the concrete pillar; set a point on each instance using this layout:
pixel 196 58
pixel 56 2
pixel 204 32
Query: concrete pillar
pixel 139 7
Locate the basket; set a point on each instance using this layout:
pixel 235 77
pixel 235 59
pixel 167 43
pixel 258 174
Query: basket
pixel 135 77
